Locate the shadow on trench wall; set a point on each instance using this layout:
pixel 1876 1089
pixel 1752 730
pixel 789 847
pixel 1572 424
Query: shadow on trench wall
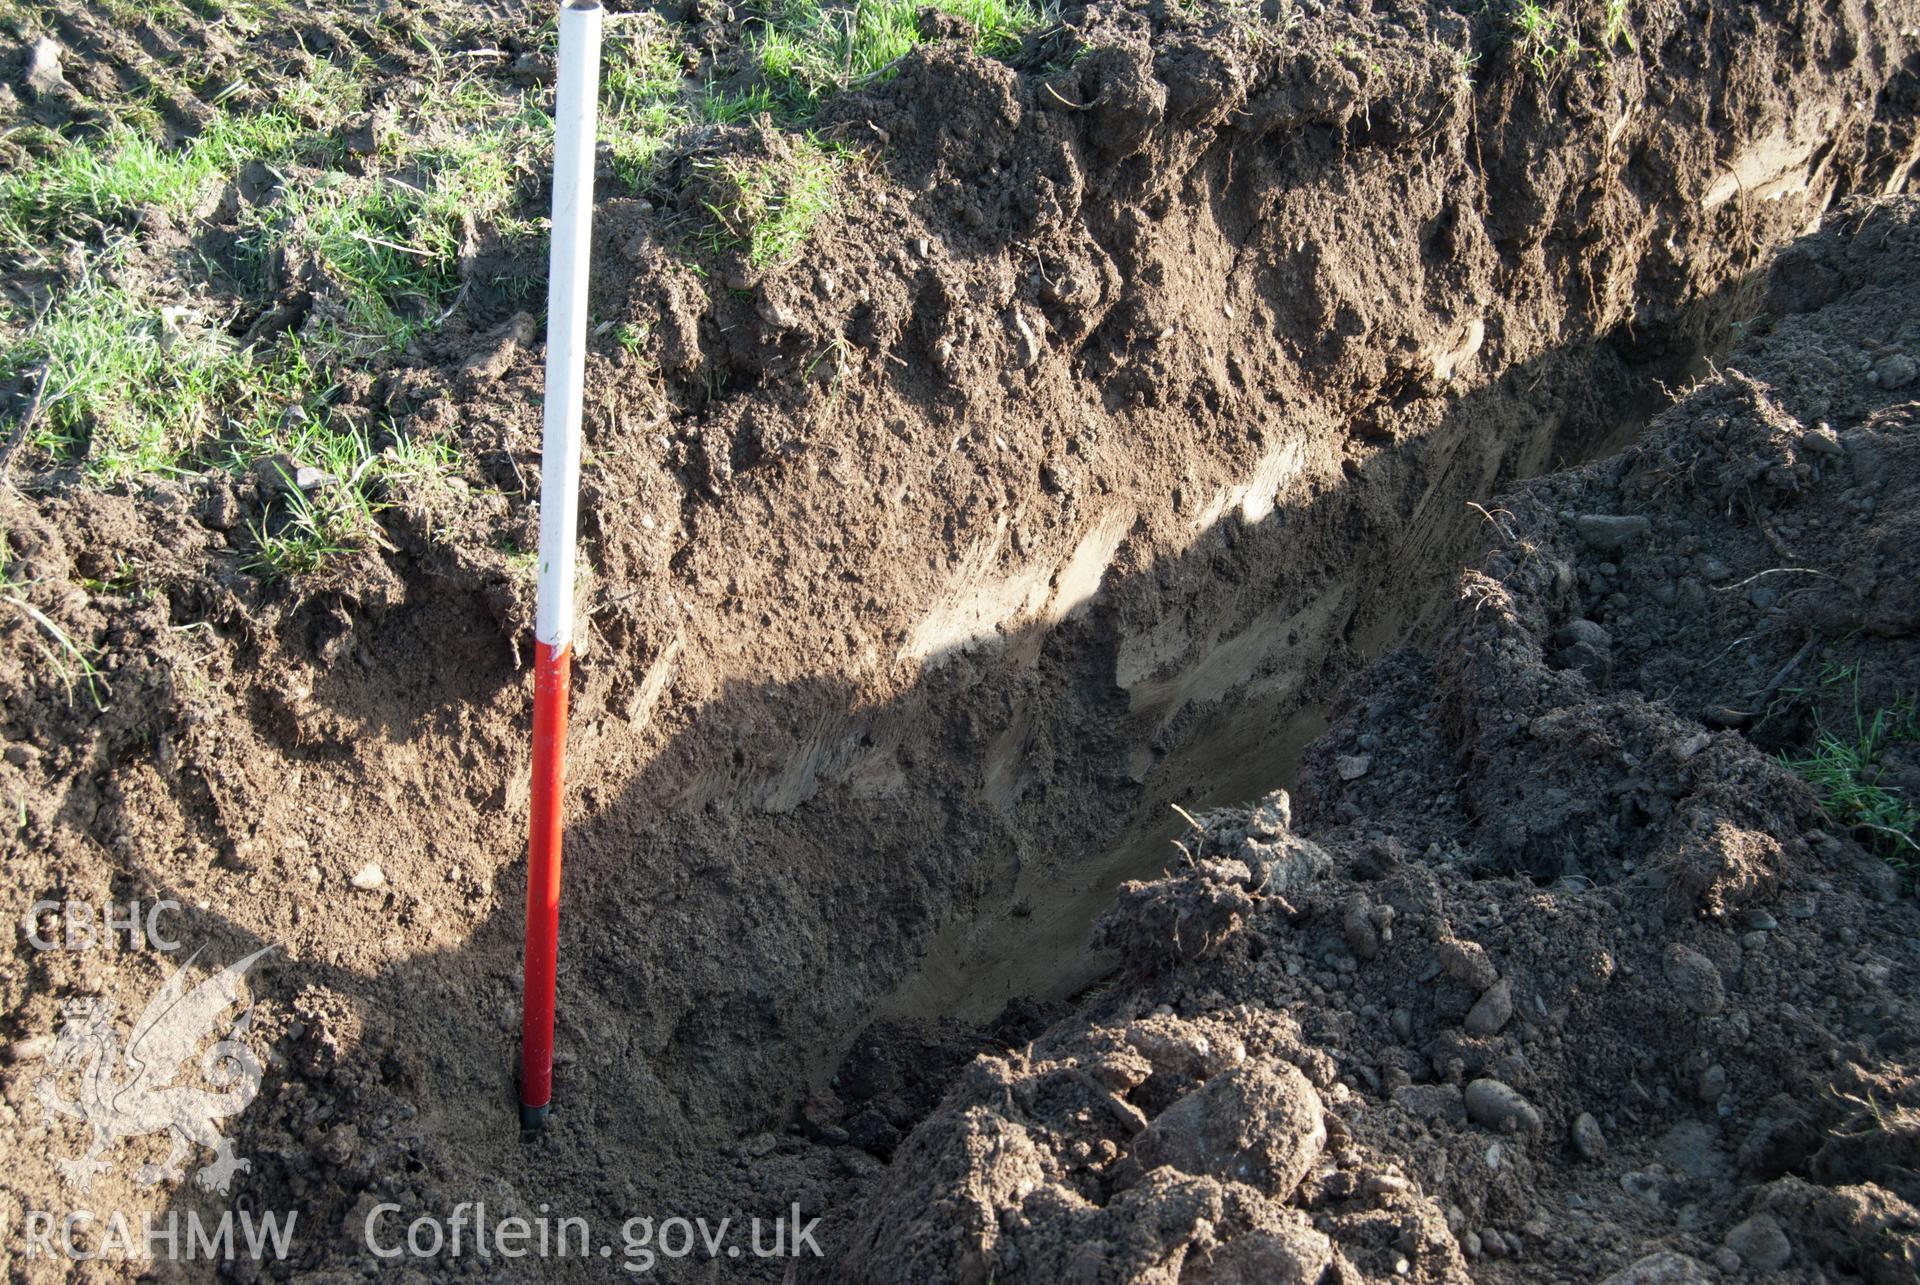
pixel 796 863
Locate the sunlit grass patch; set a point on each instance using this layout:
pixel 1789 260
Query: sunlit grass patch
pixel 308 527
pixel 768 208
pixel 390 247
pixel 78 188
pixel 124 387
pixel 648 100
pixel 808 48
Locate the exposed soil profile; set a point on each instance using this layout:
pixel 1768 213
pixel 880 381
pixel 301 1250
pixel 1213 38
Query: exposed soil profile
pixel 1117 441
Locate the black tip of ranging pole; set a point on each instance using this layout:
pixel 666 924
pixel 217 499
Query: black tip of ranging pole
pixel 533 1119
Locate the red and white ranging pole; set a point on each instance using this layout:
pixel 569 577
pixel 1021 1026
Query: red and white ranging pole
pixel 576 95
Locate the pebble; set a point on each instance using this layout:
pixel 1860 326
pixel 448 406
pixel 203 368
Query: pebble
pixel 1641 1186
pixel 1385 1184
pixel 1726 1261
pixel 1028 348
pixel 1588 1139
pixel 1711 1083
pixel 1497 1106
pixel 1896 371
pixel 1821 441
pixel 1493 1011
pixel 1584 631
pixel 1611 533
pixel 873 1133
pixel 1356 928
pixel 1695 979
pixel 369 877
pixel 1467 963
pixel 44 75
pixel 1352 767
pixel 1761 1244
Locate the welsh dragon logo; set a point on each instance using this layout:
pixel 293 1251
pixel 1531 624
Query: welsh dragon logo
pixel 129 1092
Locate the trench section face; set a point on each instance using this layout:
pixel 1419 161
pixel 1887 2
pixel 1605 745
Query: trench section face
pixel 1219 675
pixel 1171 424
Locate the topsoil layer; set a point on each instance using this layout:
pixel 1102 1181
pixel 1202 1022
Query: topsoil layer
pixel 1130 398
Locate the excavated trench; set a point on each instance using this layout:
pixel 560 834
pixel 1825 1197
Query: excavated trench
pixel 1127 400
pixel 1144 426
pixel 1122 407
pixel 1219 708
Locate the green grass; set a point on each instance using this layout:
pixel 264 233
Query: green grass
pixel 127 400
pixel 1545 35
pixel 138 376
pixel 78 188
pixel 390 245
pixel 305 531
pixel 308 535
pixel 769 208
pixel 130 389
pixel 807 49
pixel 642 85
pixel 1618 29
pixel 1845 768
pixel 1549 38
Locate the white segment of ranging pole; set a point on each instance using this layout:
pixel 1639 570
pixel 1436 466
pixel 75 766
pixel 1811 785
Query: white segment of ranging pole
pixel 574 121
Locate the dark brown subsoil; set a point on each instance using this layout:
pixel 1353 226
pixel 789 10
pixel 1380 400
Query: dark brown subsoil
pixel 1129 400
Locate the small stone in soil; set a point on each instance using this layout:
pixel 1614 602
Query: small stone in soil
pixel 1641 1186
pixel 1356 927
pixel 1467 963
pixel 1695 979
pixel 44 74
pixel 1761 1244
pixel 1497 1106
pixel 1493 1011
pixel 1711 1084
pixel 369 877
pixel 1588 1140
pixel 870 1131
pixel 1611 533
pixel 1896 371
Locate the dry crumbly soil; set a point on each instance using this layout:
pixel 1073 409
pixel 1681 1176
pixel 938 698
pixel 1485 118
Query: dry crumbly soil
pixel 1128 399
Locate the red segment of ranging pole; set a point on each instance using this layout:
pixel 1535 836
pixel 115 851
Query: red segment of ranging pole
pixel 576 94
